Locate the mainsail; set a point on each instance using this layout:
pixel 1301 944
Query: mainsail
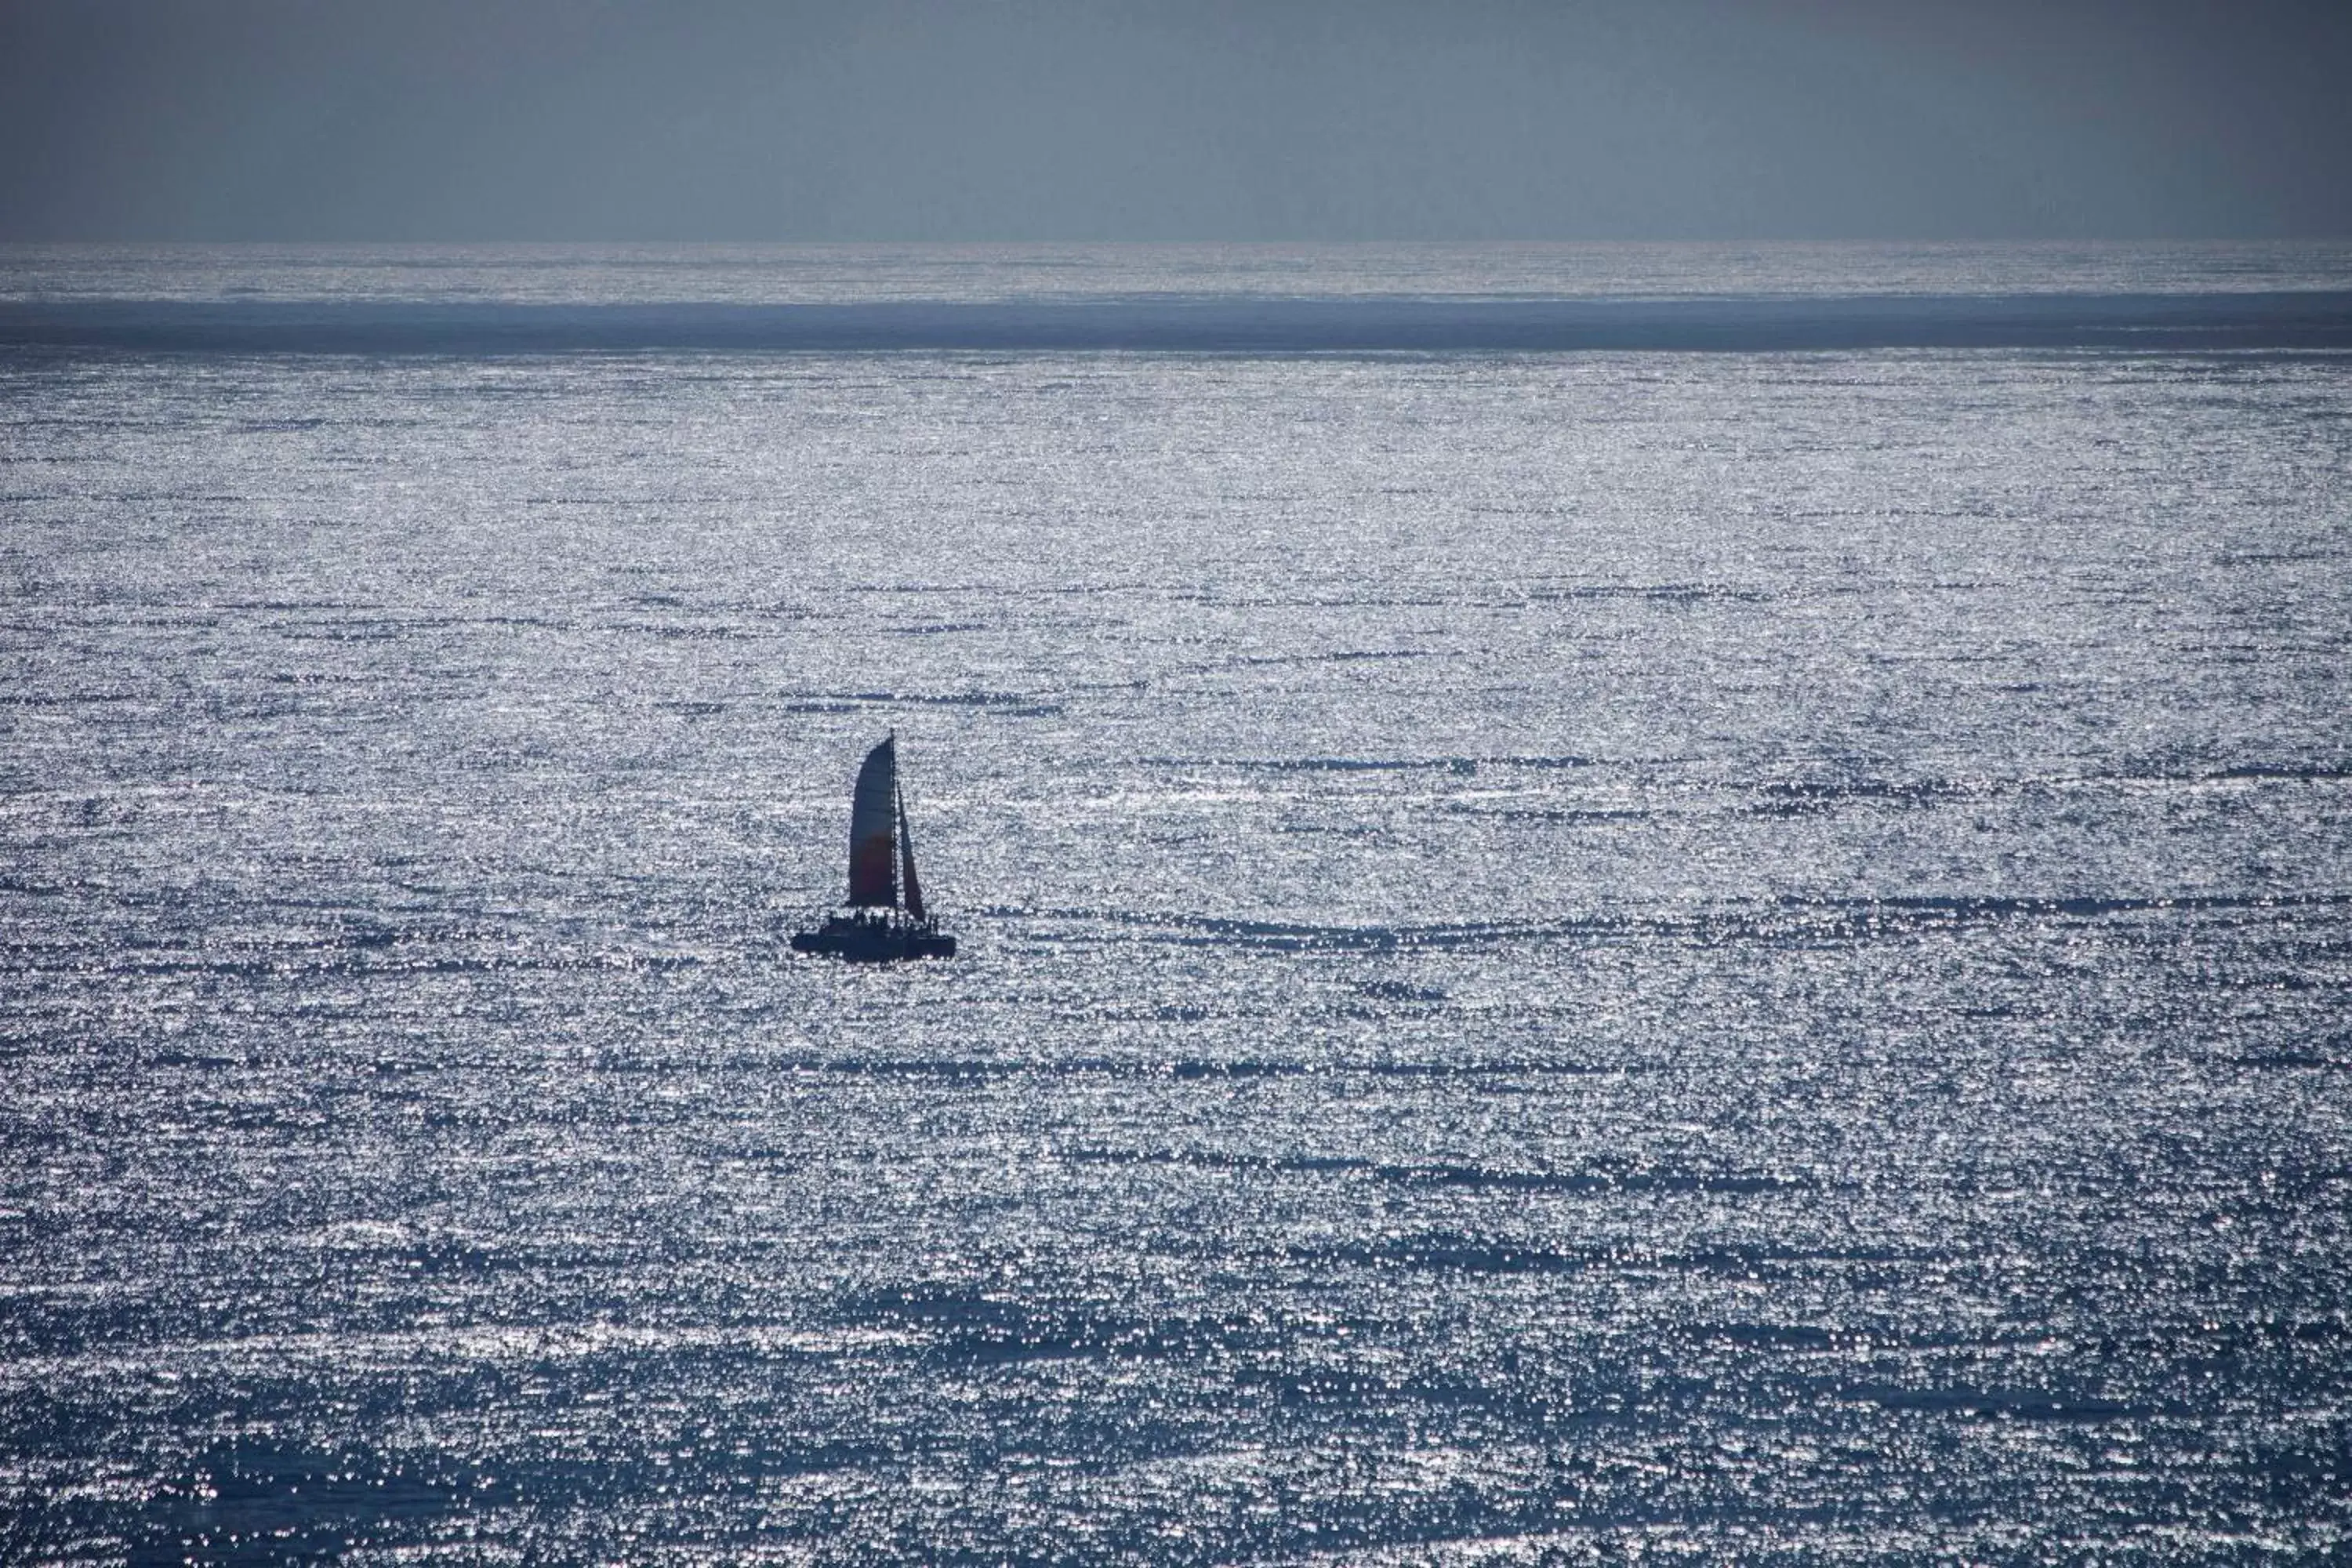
pixel 870 848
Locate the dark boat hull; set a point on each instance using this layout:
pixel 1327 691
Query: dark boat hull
pixel 875 942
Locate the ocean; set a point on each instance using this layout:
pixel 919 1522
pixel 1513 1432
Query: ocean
pixel 1590 930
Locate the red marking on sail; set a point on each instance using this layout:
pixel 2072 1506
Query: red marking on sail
pixel 870 848
pixel 913 890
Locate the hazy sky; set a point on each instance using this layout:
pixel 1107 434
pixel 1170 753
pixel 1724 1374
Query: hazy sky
pixel 1158 120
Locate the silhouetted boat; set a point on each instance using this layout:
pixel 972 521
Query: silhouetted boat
pixel 886 919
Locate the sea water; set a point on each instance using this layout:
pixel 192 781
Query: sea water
pixel 1564 956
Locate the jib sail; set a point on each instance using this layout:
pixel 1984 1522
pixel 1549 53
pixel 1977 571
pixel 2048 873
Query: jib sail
pixel 907 885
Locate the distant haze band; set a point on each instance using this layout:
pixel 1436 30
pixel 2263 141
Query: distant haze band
pixel 2312 320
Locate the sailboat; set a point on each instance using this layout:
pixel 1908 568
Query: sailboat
pixel 886 919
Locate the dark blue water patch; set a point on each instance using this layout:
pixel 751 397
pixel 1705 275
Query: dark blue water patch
pixel 1294 937
pixel 1225 599
pixel 1345 656
pixel 1652 593
pixel 976 1324
pixel 1005 701
pixel 1517 761
pixel 1566 816
pixel 694 633
pixel 66 698
pixel 2324 1060
pixel 354 633
pixel 2305 320
pixel 2278 557
pixel 2093 906
pixel 324 959
pixel 1321 765
pixel 1237 1069
pixel 1490 1070
pixel 978 1071
pixel 395 1066
pixel 2209 1344
pixel 1792 918
pixel 1278 937
pixel 263 1501
pixel 2301 772
pixel 1214 931
pixel 1400 991
pixel 2003 1404
pixel 1595 1180
pixel 1799 1337
pixel 1790 797
pixel 200 1061
pixel 1450 1253
pixel 266 1498
pixel 1606 1180
pixel 953 1070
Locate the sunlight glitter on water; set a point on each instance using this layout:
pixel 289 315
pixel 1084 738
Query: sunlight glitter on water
pixel 1801 1023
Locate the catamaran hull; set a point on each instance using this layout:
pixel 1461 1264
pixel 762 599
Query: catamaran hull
pixel 861 943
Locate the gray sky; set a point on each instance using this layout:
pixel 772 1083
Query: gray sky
pixel 1014 119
